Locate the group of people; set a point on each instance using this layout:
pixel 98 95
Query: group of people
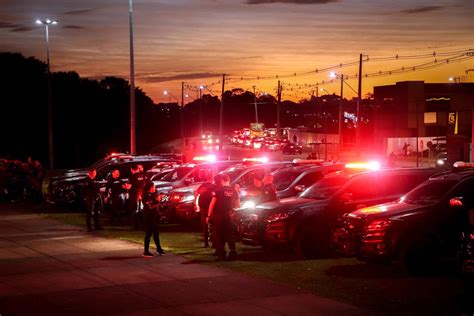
pixel 21 180
pixel 138 197
pixel 217 200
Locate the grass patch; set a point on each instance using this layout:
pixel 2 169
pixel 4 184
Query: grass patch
pixel 381 288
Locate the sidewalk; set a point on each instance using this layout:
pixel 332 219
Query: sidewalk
pixel 47 268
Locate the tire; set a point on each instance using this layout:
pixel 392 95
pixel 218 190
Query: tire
pixel 419 256
pixel 312 242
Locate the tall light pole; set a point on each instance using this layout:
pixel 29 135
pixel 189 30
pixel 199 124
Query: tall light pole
pixel 46 24
pixel 340 117
pixel 133 144
pixel 201 87
pixel 255 102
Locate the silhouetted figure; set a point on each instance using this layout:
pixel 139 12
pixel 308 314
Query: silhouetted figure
pixel 91 201
pixel 203 199
pixel 151 218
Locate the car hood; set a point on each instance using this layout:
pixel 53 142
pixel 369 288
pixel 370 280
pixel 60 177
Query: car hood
pixel 392 210
pixel 66 180
pixel 189 189
pixel 288 203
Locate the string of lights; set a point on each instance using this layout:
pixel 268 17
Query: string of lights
pixel 453 56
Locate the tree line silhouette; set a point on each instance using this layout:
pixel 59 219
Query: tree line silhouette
pixel 91 117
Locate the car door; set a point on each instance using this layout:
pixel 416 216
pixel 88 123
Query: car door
pixel 361 191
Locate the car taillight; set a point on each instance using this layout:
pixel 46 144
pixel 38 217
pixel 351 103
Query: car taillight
pixel 375 231
pixel 175 197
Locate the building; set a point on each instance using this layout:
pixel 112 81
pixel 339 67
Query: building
pixel 415 109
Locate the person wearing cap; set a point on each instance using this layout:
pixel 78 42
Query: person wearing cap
pixel 151 218
pixel 225 199
pixel 268 190
pixel 90 193
pixel 203 200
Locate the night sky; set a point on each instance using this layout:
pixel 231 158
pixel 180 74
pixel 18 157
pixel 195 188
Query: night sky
pixel 196 41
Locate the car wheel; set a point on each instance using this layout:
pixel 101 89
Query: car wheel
pixel 312 242
pixel 420 257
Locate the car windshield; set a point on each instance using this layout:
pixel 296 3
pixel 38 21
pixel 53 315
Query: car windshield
pixel 429 192
pixel 159 176
pixel 233 173
pixel 282 179
pixel 177 174
pixel 325 188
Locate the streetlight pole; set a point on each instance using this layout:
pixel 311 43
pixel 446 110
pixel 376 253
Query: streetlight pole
pixel 46 24
pixel 133 145
pixel 255 101
pixel 341 115
pixel 200 110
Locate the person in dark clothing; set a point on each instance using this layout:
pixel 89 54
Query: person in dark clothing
pixel 225 199
pixel 203 199
pixel 151 219
pixel 268 190
pixel 90 199
pixel 137 182
pixel 115 191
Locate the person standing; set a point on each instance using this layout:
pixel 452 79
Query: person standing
pixel 225 199
pixel 151 218
pixel 90 199
pixel 203 200
pixel 137 182
pixel 115 191
pixel 268 190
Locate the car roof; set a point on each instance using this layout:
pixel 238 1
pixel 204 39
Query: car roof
pixel 456 174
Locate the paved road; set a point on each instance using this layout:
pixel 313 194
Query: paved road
pixel 47 268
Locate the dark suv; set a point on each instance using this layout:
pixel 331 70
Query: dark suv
pixel 420 229
pixel 305 223
pixel 68 190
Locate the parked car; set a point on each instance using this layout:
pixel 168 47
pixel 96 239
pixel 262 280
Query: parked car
pixel 68 190
pixel 419 230
pixel 180 201
pixel 292 149
pixel 305 223
pixel 187 174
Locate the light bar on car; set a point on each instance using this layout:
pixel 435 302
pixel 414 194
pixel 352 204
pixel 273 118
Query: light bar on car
pixel 208 158
pixel 309 161
pixel 261 160
pixel 462 164
pixel 371 165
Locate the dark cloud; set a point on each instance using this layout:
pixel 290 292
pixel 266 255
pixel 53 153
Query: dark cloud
pixel 424 9
pixel 78 12
pixel 8 25
pixel 22 29
pixel 74 27
pixel 188 76
pixel 291 1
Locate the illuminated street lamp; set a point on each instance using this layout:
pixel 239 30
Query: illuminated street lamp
pixel 46 23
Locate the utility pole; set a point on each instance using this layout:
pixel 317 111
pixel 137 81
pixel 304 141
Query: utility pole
pixel 255 101
pixel 359 98
pixel 341 115
pixel 133 145
pixel 200 112
pixel 221 113
pixel 183 136
pixel 278 110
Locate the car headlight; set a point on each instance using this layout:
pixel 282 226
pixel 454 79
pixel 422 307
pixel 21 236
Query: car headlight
pixel 187 198
pixel 280 216
pixel 248 204
pixel 440 162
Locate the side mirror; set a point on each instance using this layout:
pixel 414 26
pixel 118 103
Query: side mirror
pixel 456 202
pixel 300 188
pixel 346 197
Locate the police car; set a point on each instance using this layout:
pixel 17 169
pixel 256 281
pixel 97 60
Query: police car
pixel 305 222
pixel 421 229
